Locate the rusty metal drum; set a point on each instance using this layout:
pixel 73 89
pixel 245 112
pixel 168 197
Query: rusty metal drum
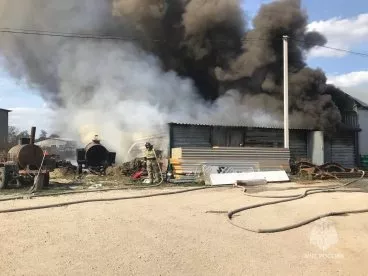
pixel 96 154
pixel 26 155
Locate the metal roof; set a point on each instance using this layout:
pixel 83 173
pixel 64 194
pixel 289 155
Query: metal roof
pixel 238 125
pixel 6 110
pixel 360 103
pixel 58 139
pixel 356 100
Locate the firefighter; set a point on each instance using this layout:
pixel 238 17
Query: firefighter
pixel 151 162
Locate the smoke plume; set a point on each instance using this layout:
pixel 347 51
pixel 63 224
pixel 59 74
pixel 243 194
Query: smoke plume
pixel 178 60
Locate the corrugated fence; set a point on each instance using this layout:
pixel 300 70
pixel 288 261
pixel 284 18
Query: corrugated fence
pixel 190 160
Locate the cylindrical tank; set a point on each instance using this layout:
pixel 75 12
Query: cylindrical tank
pixel 26 155
pixel 96 154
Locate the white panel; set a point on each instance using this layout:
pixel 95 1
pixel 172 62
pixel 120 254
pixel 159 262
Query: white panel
pixel 363 135
pixel 316 146
pixel 231 178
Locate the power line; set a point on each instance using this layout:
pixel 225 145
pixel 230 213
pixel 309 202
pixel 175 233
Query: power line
pixel 346 51
pixel 67 35
pixel 130 38
pixel 87 36
pixel 335 49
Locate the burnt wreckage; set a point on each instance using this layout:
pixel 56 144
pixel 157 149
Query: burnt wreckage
pixel 95 157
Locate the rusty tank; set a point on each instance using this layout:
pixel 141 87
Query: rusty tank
pixel 24 162
pixel 26 154
pixel 95 156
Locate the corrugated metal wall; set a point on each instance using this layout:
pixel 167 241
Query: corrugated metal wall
pixel 263 137
pixel 208 136
pixel 236 138
pixel 3 129
pixel 340 149
pixel 189 160
pixel 220 136
pixel 227 136
pixel 343 149
pixel 363 135
pixel 190 136
pixel 299 144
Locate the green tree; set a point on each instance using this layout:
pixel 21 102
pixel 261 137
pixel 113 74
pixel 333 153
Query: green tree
pixel 14 135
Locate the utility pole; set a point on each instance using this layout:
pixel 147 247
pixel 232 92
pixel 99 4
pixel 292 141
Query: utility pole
pixel 286 92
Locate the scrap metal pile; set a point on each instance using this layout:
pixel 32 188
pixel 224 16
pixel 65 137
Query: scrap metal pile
pixel 132 167
pixel 325 171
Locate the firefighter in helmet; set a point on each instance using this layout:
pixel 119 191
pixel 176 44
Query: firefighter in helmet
pixel 152 163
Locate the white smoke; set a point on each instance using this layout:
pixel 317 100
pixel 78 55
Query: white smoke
pixel 110 88
pixel 131 96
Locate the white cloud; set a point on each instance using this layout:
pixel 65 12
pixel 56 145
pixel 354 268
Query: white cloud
pixel 24 118
pixel 342 33
pixel 352 79
pixel 353 83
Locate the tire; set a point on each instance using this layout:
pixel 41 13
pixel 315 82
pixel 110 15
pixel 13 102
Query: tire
pixel 3 178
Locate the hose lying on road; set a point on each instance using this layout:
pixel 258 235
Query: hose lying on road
pixel 103 199
pixel 296 197
pixel 28 196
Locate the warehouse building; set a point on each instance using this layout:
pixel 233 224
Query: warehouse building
pixel 343 146
pixel 305 144
pixel 4 126
pixel 63 147
pixel 361 110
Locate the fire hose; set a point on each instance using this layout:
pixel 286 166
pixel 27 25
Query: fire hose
pixel 231 213
pixel 296 197
pixel 34 186
pixel 159 168
pixel 101 200
pixel 78 192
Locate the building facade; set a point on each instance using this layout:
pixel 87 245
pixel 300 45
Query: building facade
pixel 340 147
pixel 355 115
pixel 65 148
pixel 4 126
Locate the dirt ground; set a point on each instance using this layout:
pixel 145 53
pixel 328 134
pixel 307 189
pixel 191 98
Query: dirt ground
pixel 183 234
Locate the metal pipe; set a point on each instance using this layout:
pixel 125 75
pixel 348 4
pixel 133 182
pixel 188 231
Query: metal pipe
pixel 286 92
pixel 33 135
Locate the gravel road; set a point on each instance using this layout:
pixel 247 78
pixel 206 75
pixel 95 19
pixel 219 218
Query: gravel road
pixel 184 234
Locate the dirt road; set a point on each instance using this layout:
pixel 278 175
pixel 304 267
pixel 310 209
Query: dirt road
pixel 176 235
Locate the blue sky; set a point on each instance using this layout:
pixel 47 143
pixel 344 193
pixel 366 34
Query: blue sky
pixel 345 23
pixel 325 10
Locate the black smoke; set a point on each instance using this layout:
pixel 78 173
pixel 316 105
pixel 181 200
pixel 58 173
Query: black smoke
pixel 206 41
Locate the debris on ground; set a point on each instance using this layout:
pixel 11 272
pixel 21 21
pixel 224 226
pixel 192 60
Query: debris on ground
pixel 133 166
pixel 328 170
pixel 95 186
pixel 62 172
pixel 65 164
pixel 113 171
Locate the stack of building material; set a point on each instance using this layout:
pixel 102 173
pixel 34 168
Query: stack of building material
pixel 208 170
pixel 233 178
pixel 187 161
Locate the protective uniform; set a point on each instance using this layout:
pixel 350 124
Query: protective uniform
pixel 151 162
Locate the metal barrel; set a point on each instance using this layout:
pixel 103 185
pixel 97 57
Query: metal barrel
pixel 26 156
pixel 96 154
